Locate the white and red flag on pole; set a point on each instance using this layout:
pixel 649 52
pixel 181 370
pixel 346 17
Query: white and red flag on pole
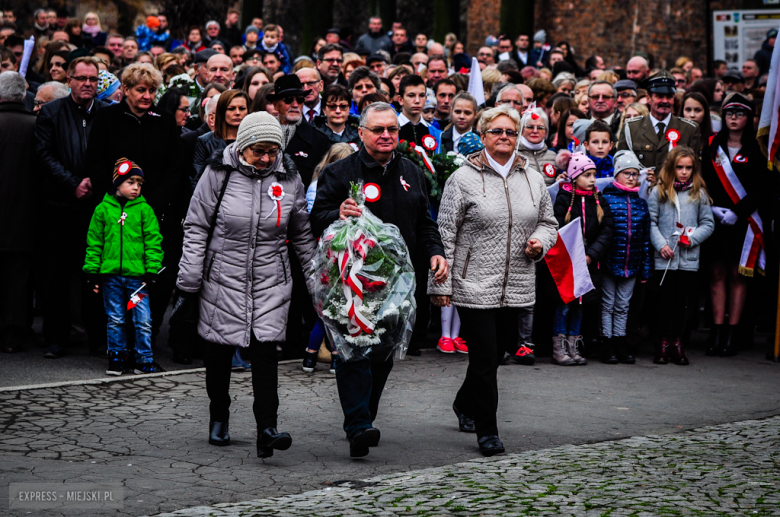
pixel 567 264
pixel 136 297
pixel 768 135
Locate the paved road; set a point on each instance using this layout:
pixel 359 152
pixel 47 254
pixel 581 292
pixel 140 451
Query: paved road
pixel 731 469
pixel 149 433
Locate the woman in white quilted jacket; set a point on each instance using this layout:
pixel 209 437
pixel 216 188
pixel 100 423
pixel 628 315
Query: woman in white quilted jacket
pixel 496 221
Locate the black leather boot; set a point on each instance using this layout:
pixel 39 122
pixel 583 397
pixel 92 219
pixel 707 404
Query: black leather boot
pixel 218 433
pixel 623 351
pixel 730 344
pixel 608 350
pixel 716 340
pixel 271 439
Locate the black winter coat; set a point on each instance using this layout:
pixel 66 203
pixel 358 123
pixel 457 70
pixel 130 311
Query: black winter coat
pixel 152 141
pixel 62 131
pixel 306 148
pixel 190 140
pixel 205 147
pixel 349 135
pixel 18 177
pixel 598 237
pixel 759 184
pixel 408 210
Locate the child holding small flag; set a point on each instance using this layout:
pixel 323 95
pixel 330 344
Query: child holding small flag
pixel 680 220
pixel 124 253
pixel 579 199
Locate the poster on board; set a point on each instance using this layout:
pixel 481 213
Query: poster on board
pixel 737 35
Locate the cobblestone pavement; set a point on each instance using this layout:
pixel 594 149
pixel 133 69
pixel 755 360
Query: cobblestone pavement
pixel 149 433
pixel 731 469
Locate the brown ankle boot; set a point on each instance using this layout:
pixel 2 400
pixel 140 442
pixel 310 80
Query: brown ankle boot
pixel 678 354
pixel 662 352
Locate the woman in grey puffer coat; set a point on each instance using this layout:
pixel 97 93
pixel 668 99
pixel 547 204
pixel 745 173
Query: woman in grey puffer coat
pixel 242 275
pixel 496 221
pixel 531 145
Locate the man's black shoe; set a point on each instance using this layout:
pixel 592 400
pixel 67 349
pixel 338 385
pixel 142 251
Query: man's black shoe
pixel 490 445
pixel 465 423
pixel 271 439
pixel 362 440
pixel 54 352
pixel 218 433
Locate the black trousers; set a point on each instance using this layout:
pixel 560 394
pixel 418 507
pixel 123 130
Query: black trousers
pixel 676 301
pixel 65 248
pixel 487 332
pixel 15 283
pixel 161 292
pixel 265 380
pixel 360 384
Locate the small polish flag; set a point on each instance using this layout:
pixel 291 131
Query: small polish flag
pixel 567 264
pixel 685 238
pixel 135 300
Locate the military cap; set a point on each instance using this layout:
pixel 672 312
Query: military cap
pixel 662 82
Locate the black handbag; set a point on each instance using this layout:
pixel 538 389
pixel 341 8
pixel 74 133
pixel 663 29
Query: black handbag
pixel 186 306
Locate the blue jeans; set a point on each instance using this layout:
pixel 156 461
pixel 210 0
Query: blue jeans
pixel 568 318
pixel 116 293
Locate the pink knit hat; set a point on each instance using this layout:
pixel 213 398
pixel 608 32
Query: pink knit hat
pixel 574 163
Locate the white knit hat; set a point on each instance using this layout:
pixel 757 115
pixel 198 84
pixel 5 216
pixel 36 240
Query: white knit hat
pixel 258 127
pixel 626 160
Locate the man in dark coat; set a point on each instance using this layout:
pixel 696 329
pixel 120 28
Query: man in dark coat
pixel 61 133
pixel 763 56
pixel 375 39
pixel 402 201
pixel 300 140
pixel 17 209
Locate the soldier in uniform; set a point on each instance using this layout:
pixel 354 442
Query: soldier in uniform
pixel 652 137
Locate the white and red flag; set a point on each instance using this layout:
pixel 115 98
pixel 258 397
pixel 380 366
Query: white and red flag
pixel 567 264
pixel 768 135
pixel 135 300
pixel 137 296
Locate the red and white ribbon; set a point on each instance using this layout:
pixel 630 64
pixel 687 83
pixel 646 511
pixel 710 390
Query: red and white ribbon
pixel 404 184
pixel 427 161
pixel 356 251
pixel 276 193
pixel 674 137
pixel 122 219
pixel 753 251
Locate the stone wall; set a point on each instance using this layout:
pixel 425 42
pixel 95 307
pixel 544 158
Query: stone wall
pixel 614 29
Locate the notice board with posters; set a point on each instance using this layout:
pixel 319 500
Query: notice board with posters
pixel 737 35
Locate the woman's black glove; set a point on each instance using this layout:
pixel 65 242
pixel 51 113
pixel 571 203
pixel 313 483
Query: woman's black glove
pixel 185 308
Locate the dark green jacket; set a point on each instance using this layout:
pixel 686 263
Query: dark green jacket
pixel 129 249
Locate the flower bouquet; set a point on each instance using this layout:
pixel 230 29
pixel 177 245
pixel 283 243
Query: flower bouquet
pixel 184 83
pixel 364 285
pixel 436 167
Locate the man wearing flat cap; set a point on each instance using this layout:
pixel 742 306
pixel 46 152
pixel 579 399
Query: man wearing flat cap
pixel 652 137
pixel 626 94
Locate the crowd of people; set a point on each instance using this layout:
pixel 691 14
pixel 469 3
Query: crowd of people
pixel 141 170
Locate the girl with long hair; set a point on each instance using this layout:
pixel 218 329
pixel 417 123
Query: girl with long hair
pixel 680 220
